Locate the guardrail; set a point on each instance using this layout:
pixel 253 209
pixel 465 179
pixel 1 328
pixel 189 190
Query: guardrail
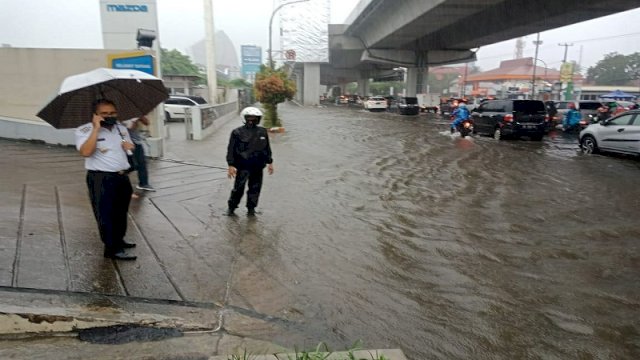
pixel 202 121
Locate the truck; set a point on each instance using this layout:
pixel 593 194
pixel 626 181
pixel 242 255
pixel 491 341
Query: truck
pixel 428 102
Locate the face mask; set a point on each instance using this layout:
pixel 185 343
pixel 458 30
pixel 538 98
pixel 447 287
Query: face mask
pixel 109 121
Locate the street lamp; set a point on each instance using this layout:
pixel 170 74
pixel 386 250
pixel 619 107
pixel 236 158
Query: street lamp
pixel 271 23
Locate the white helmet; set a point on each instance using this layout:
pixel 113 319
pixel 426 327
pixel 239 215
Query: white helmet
pixel 251 111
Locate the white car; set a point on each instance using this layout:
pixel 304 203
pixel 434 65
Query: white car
pixel 620 134
pixel 175 105
pixel 376 103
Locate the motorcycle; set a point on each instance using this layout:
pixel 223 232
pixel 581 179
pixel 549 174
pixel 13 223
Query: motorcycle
pixel 465 127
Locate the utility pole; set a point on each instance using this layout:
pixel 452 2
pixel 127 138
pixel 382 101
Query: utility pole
pixel 212 80
pixel 537 43
pixel 564 61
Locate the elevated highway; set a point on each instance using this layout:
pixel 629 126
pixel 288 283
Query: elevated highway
pixel 380 35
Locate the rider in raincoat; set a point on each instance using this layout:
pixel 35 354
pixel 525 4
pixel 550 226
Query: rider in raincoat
pixel 571 118
pixel 460 114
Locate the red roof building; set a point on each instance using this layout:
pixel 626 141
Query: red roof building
pixel 516 72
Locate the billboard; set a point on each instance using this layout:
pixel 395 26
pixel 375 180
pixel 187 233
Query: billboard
pixel 251 60
pixel 138 60
pixel 122 19
pixel 304 28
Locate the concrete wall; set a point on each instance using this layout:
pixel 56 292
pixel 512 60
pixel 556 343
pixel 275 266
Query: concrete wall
pixel 31 78
pixel 311 91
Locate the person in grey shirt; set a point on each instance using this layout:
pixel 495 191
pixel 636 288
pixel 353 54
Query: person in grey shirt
pixel 138 153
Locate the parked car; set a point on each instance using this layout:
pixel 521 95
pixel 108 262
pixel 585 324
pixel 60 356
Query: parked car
pixel 406 106
pixel 175 105
pixel 376 103
pixel 511 118
pixel 620 134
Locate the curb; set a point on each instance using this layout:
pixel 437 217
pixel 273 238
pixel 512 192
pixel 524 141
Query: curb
pixel 25 312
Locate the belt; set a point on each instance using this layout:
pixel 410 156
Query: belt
pixel 121 172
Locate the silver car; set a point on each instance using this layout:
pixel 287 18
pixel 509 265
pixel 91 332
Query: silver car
pixel 620 134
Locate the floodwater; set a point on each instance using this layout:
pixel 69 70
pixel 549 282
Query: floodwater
pixel 385 228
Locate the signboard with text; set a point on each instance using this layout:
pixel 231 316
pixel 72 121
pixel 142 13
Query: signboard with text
pixel 251 60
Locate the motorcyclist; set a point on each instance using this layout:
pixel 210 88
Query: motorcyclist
pixel 603 112
pixel 460 114
pixel 571 118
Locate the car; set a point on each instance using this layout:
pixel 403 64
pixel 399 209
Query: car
pixel 342 99
pixel 448 105
pixel 376 103
pixel 619 134
pixel 589 107
pixel 511 118
pixel 407 105
pixel 175 105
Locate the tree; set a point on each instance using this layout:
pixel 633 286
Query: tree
pixel 273 86
pixel 615 69
pixel 173 62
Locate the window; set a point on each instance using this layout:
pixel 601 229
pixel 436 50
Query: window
pixel 529 107
pixel 621 120
pixel 636 121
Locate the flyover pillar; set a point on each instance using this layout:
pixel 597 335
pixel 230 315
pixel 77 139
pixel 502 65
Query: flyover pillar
pixel 311 86
pixel 363 83
pixel 299 85
pixel 416 81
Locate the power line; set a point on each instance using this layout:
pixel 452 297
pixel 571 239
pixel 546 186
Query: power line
pixel 575 41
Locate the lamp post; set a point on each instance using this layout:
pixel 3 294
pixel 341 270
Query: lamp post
pixel 271 23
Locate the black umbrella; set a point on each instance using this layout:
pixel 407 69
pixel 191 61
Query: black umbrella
pixel 134 92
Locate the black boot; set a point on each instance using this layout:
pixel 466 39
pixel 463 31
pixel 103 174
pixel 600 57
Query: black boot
pixel 230 212
pixel 251 212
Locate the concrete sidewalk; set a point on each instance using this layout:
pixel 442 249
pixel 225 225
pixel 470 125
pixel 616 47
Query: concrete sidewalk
pixel 54 279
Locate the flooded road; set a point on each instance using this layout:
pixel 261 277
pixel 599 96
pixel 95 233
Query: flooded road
pixel 385 228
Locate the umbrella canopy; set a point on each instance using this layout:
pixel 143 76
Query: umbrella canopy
pixel 618 95
pixel 134 92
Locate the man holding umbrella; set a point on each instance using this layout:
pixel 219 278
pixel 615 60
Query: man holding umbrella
pixel 104 143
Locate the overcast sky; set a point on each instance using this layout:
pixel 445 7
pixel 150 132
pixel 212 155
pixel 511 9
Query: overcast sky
pixel 76 24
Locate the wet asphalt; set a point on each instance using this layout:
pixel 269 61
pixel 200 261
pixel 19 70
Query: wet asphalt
pixel 375 226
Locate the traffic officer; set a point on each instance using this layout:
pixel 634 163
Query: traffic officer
pixel 248 153
pixel 104 143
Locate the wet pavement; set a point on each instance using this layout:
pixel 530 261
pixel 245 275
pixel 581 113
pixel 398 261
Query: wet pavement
pixel 374 226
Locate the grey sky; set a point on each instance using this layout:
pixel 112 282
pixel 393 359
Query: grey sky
pixel 76 24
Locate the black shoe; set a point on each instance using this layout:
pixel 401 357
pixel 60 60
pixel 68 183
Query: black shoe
pixel 120 255
pixel 230 212
pixel 126 245
pixel 452 130
pixel 251 212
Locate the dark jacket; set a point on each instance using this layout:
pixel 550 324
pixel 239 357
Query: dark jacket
pixel 249 148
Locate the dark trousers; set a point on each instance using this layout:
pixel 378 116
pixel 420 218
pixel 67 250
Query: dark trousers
pixel 254 177
pixel 110 194
pixel 141 165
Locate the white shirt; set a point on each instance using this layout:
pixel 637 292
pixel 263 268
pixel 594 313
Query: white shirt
pixel 109 154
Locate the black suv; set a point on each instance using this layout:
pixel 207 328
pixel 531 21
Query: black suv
pixel 408 106
pixel 502 118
